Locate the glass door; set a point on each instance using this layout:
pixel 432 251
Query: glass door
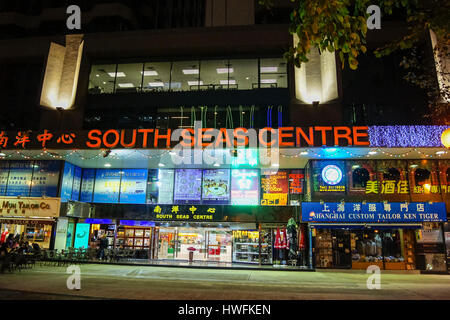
pixel 191 239
pixel 166 246
pixel 219 245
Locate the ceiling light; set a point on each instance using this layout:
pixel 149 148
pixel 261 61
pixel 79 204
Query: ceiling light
pixel 304 153
pixel 216 165
pixel 372 152
pixel 108 165
pixel 195 83
pixel 104 82
pixel 414 166
pixel 172 153
pixel 275 165
pixel 268 80
pixel 161 165
pixel 149 73
pixel 247 78
pixel 2 154
pixel 126 85
pixel 97 75
pixel 269 69
pixel 119 74
pixel 227 81
pixel 190 71
pixel 440 152
pixel 224 70
pixel 156 84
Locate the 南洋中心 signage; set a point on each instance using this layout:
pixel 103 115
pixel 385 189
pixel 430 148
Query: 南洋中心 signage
pixel 374 212
pixel 185 212
pixel 29 207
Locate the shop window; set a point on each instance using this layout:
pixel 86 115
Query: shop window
pixel 421 176
pixel 186 76
pixel 360 177
pixel 244 75
pixel 129 78
pixel 424 177
pixel 101 79
pixel 216 74
pixel 391 174
pixel 156 76
pixel 273 73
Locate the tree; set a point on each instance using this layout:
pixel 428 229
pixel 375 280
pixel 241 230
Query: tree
pixel 341 26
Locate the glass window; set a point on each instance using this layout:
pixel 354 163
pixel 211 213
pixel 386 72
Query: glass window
pixel 186 76
pixel 156 76
pixel 273 73
pixel 129 77
pixel 361 173
pixel 244 75
pixel 424 177
pixel 101 79
pixel 214 74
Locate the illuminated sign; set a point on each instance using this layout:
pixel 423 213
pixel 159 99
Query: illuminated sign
pixel 296 180
pixel 188 185
pixel 216 186
pixel 185 212
pixel 373 212
pixel 244 187
pixel 331 174
pixel 275 188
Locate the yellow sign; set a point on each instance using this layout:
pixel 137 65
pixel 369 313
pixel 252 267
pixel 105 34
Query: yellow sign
pixel 29 207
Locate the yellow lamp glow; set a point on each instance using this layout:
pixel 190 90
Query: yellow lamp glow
pixel 445 138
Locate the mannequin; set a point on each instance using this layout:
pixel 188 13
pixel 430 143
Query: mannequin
pixel 379 244
pixel 292 238
pixel 4 235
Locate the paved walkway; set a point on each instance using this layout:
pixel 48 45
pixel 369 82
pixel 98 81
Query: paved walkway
pixel 141 282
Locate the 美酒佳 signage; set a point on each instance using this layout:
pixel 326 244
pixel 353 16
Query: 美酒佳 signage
pixel 216 186
pixel 29 207
pixel 133 186
pixel 244 187
pixel 374 212
pixel 188 186
pixel 107 185
pixel 274 187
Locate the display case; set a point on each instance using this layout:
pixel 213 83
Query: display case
pixel 133 238
pixel 246 246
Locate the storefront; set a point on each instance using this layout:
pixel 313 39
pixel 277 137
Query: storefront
pixel 29 219
pixel 356 235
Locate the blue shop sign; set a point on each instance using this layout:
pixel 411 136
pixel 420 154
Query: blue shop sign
pixel 374 212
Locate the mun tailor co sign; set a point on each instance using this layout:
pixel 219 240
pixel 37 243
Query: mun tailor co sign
pixel 29 207
pixel 374 212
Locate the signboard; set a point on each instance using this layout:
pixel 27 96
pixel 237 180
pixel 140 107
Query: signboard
pixel 244 187
pixel 165 183
pixel 296 180
pixel 133 186
pixel 67 182
pixel 87 185
pixel 329 176
pixel 19 178
pixel 107 185
pixel 4 172
pixel 76 183
pixel 82 235
pixel 188 186
pixel 387 187
pixel 29 207
pixel 216 186
pixel 374 212
pixel 45 178
pixel 186 212
pixel 275 188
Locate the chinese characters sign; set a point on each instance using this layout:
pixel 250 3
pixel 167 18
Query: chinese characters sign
pixel 133 186
pixel 296 180
pixel 373 212
pixel 185 212
pixel 387 187
pixel 244 187
pixel 188 185
pixel 275 188
pixel 107 185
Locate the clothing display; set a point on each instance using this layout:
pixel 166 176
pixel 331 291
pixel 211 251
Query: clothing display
pixel 4 235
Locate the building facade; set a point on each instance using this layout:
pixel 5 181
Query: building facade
pixel 110 134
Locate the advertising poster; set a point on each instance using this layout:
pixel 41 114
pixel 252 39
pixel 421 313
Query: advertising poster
pixel 216 186
pixel 82 235
pixel 4 172
pixel 188 185
pixel 19 179
pixel 87 185
pixel 133 186
pixel 274 188
pixel 296 180
pixel 67 182
pixel 76 183
pixel 244 187
pixel 152 186
pixel 165 184
pixel 107 185
pixel 329 176
pixel 45 179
